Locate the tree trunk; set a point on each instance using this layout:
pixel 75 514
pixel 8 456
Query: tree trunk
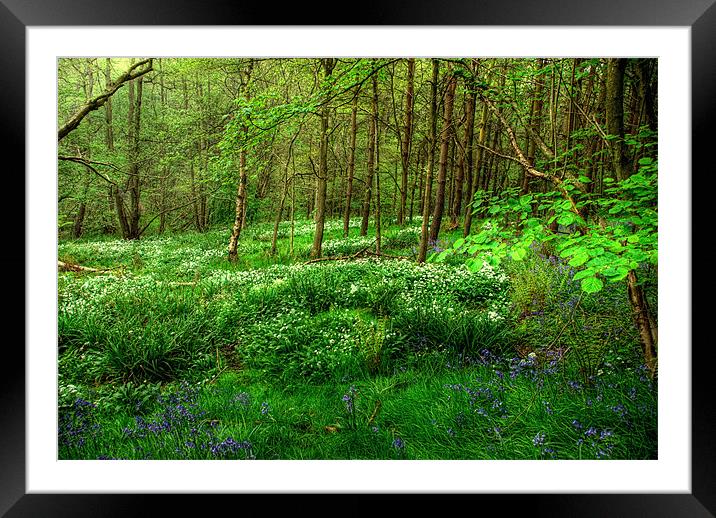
pixel 279 213
pixel 422 253
pixel 535 122
pixel 322 177
pixel 645 323
pixel 377 169
pixel 407 140
pixel 615 115
pixel 241 190
pixel 132 231
pixel 79 220
pixel 371 160
pixel 445 135
pixel 121 213
pixel 351 164
pixel 163 196
pixel 415 185
pixel 464 167
pixel 108 130
pixel 476 175
pixel 195 200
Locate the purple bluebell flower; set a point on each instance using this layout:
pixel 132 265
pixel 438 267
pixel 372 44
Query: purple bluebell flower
pixel 348 400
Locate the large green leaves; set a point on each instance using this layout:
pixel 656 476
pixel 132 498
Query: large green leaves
pixel 621 237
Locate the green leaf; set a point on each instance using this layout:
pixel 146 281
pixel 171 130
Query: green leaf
pixel 589 272
pixel 615 274
pixel 566 219
pixel 579 258
pixel 474 264
pixel 570 251
pixel 518 254
pixel 458 243
pixel 592 284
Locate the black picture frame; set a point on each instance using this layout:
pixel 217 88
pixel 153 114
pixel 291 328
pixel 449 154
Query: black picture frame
pixel 16 15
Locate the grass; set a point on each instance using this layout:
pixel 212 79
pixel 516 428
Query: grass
pixel 174 353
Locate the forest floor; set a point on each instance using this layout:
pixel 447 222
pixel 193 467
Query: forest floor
pixel 169 351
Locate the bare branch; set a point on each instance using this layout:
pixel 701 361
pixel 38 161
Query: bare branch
pixel 93 104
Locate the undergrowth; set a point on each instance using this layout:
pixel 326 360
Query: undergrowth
pixel 172 352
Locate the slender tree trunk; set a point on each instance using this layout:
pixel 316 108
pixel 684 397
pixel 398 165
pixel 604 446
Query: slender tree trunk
pixel 195 201
pixel 482 136
pixel 351 165
pixel 377 183
pixel 415 185
pixel 163 196
pixel 241 190
pixel 445 136
pixel 422 252
pixel 407 140
pixel 279 213
pixel 133 177
pixel 371 160
pixel 464 166
pixel 322 177
pixel 615 115
pixel 109 131
pixel 82 211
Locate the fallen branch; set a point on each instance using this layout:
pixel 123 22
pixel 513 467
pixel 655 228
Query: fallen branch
pixel 341 257
pixel 387 256
pixel 360 253
pixel 67 267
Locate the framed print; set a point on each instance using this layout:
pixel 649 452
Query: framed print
pixel 44 43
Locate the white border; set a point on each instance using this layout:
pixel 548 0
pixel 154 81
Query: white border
pixel 670 474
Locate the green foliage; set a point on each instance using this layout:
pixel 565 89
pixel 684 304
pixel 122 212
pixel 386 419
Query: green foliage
pixel 622 237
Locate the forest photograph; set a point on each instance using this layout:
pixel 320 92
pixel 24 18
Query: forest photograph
pixel 345 258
